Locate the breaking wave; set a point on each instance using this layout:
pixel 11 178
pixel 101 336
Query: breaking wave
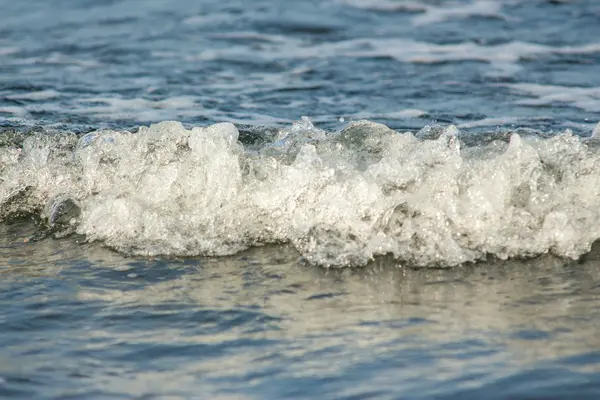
pixel 438 197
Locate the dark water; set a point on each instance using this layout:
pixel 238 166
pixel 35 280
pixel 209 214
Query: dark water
pixel 80 321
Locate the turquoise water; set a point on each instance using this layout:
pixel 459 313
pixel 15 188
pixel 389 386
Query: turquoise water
pixel 222 285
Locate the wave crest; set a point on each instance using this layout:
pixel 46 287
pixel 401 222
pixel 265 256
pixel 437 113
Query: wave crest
pixel 438 197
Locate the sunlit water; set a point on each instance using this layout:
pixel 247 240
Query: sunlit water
pixel 294 258
pixel 83 322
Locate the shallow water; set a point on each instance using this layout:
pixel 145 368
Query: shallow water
pixel 80 321
pixel 194 262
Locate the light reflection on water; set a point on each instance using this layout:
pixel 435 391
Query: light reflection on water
pixel 80 321
pixel 261 325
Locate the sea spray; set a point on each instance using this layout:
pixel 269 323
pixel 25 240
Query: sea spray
pixel 438 197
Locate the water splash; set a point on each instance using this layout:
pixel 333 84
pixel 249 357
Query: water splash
pixel 439 197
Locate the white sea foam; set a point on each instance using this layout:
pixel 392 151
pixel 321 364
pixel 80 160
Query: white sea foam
pixel 435 12
pixel 503 57
pixel 35 95
pixel 140 109
pixel 481 8
pixel 409 113
pixel 6 51
pixel 15 110
pixel 386 5
pixel 341 198
pixel 585 98
pixel 501 121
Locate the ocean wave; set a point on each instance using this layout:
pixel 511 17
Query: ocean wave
pixel 438 197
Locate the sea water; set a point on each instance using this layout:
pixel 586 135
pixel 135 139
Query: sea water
pixel 335 199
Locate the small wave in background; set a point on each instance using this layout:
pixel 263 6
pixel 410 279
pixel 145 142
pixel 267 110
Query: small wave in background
pixel 402 63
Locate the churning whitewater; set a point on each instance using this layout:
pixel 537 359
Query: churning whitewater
pixel 435 198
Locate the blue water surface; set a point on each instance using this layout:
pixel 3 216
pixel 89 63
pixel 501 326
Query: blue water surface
pixel 78 321
pixel 478 63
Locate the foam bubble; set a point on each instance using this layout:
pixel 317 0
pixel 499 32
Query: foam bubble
pixel 340 198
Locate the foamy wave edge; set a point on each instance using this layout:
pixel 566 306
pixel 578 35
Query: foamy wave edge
pixel 437 197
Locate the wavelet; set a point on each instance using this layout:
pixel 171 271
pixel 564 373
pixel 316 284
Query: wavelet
pixel 437 197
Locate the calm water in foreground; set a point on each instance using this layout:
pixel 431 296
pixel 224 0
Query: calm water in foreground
pixel 80 321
